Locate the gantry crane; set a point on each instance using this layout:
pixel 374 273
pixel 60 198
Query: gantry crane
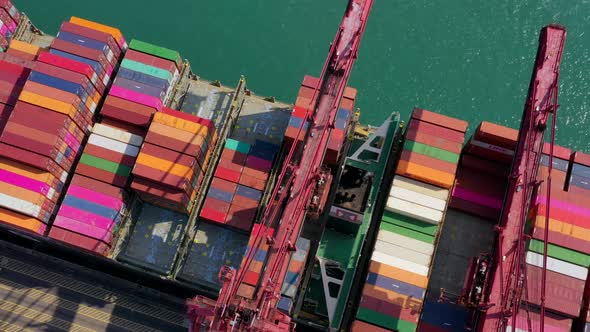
pixel 294 198
pixel 496 283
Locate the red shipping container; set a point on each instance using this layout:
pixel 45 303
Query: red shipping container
pixel 347 104
pixel 165 178
pixel 84 52
pixel 126 116
pixel 310 82
pixel 497 135
pixel 580 158
pixel 102 175
pixel 300 112
pixel 176 145
pixel 436 130
pixel 431 140
pixel 252 182
pixel 67 75
pixel 216 205
pixel 559 152
pixel 408 314
pixel 121 103
pixel 98 186
pixel 230 165
pixel 79 240
pixel 75 66
pixel 16 60
pixel 490 151
pixel 32 143
pixel 124 126
pixel 305 92
pixel 259 164
pixel 247 214
pixel 11 70
pixel 350 93
pixel 167 204
pixel 360 326
pixel 260 175
pixel 9 93
pixel 564 215
pixel 221 184
pixel 212 215
pixel 7 5
pixel 244 202
pixel 239 222
pixel 151 60
pixel 236 157
pixel 156 189
pixel 44 119
pixel 5 111
pixel 563 293
pixel 227 174
pixel 21 54
pixel 439 120
pixel 33 159
pixel 251 278
pixel 119 158
pixel 304 102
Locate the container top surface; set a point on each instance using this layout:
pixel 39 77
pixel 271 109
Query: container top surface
pixel 262 120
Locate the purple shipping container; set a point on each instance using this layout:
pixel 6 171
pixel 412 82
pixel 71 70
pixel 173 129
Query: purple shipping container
pixel 90 43
pixel 139 87
pixel 249 192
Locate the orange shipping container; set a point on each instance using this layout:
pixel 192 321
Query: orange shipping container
pixel 116 33
pixel 425 174
pixel 22 221
pixel 24 194
pixel 166 166
pixel 360 326
pixel 178 134
pixel 182 124
pixel 398 274
pixel 49 103
pixel 25 47
pixel 246 291
pixel 564 228
pixel 24 170
pixel 391 296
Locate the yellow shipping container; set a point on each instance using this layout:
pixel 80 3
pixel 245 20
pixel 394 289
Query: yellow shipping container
pixel 165 166
pixel 49 103
pixel 178 123
pixel 25 47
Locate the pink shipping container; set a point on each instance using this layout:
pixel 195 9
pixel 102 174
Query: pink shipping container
pixel 136 97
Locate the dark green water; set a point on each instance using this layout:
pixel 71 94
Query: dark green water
pixel 468 59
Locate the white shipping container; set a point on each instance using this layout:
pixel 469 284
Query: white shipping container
pixel 117 134
pixel 420 187
pixel 113 145
pixel 418 198
pixel 414 210
pixel 403 253
pixel 399 263
pixel 19 205
pixel 559 266
pixel 406 242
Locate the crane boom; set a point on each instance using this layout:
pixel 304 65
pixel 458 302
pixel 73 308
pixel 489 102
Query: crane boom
pixel 507 273
pixel 291 200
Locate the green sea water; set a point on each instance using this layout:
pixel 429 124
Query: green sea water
pixel 467 59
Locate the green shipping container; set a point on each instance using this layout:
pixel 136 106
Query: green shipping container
pixel 407 232
pixel 155 50
pixel 410 223
pixel 431 151
pixel 241 147
pixel 561 253
pixel 147 69
pixel 105 165
pixel 385 321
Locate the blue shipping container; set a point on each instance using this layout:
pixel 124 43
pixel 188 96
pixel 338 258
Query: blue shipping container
pixel 220 195
pixel 260 254
pixel 60 84
pixel 248 192
pixel 579 181
pixel 581 170
pixel 86 42
pixel 559 164
pixel 395 285
pixel 94 208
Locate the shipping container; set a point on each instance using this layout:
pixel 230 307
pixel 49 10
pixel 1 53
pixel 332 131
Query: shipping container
pixel 561 253
pixel 413 210
pixel 139 87
pixel 79 240
pixel 158 51
pixel 563 293
pixel 558 266
pixel 440 120
pixel 116 33
pixel 93 34
pixel 136 97
pixel 22 221
pixel 425 174
pixel 74 66
pixel 152 61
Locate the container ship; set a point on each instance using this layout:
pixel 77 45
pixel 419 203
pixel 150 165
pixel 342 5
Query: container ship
pixel 128 184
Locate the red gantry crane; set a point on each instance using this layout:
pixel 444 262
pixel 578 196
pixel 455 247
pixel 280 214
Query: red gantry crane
pixel 296 196
pixel 498 283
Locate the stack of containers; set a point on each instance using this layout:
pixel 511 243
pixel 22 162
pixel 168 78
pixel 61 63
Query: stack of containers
pixel 493 142
pixel 568 236
pixel 23 50
pixel 294 275
pixel 9 20
pixel 304 105
pixel 252 275
pixel 432 147
pixel 144 83
pixel 238 184
pixel 89 215
pixel 393 293
pixel 579 179
pixel 109 155
pixel 171 163
pixel 44 133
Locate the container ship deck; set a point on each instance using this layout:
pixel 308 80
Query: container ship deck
pixel 156 178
